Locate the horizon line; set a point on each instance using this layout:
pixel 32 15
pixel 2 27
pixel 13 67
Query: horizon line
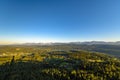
pixel 13 43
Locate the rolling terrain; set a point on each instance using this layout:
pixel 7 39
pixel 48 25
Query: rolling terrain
pixel 59 62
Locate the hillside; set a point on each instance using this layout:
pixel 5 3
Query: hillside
pixel 43 63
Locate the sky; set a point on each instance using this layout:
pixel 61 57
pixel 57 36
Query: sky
pixel 59 20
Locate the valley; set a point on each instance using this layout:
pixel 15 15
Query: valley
pixel 59 62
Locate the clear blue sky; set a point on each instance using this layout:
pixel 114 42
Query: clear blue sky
pixel 59 20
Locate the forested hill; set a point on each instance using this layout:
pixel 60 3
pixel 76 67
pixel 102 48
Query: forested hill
pixel 56 63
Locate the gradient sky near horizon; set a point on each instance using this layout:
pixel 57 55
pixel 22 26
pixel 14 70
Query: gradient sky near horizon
pixel 59 20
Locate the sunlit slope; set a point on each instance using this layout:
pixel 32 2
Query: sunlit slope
pixel 60 65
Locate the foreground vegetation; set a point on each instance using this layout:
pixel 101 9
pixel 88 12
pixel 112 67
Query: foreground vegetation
pixel 56 63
